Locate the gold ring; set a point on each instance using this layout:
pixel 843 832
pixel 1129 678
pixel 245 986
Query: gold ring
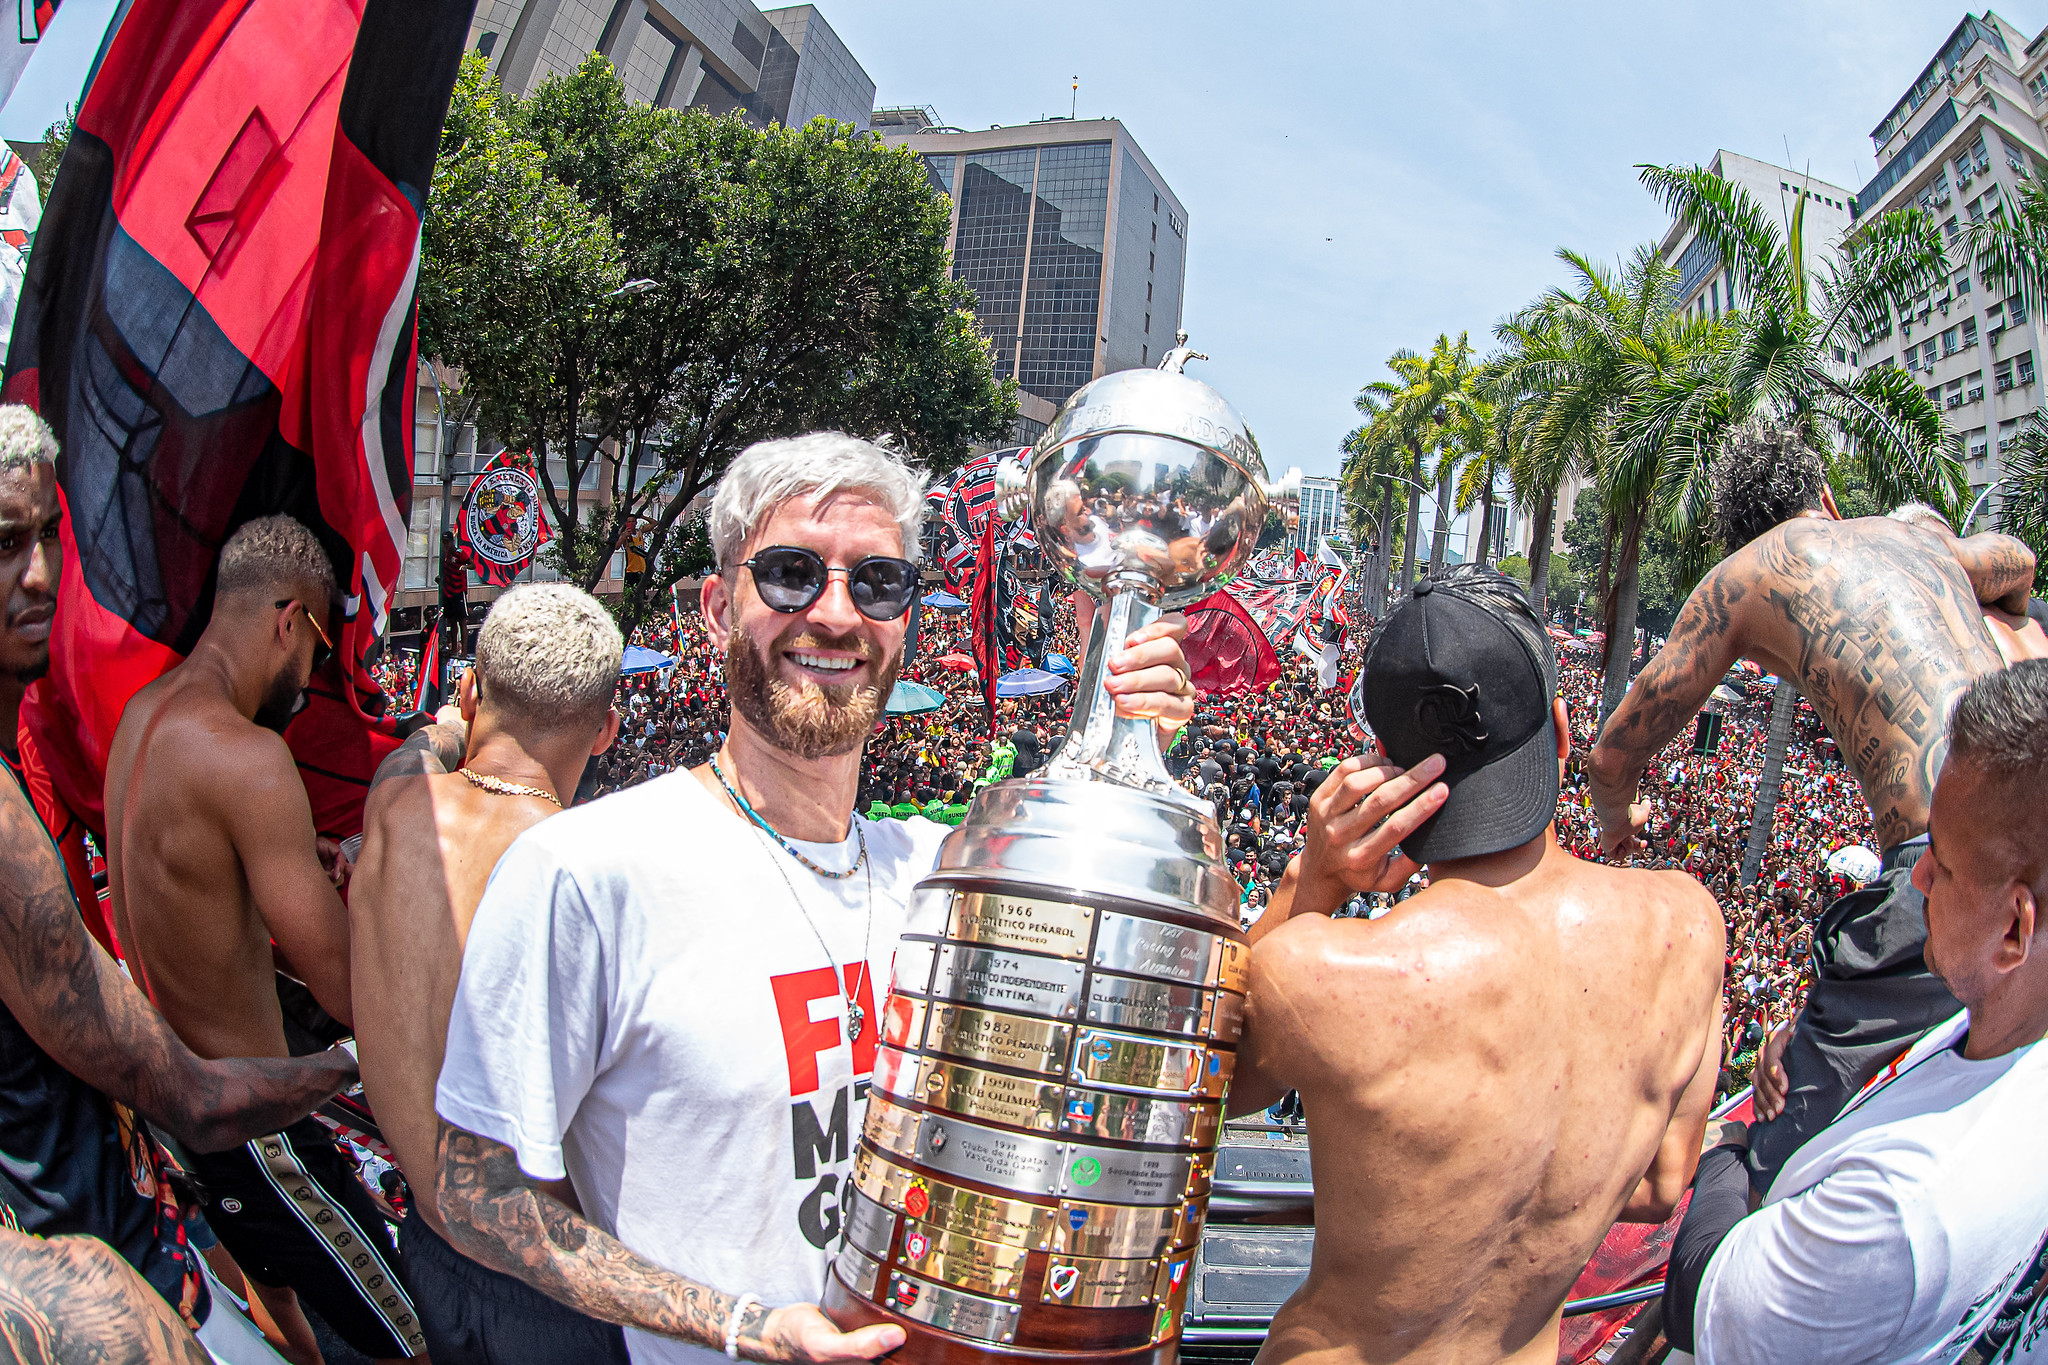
pixel 1187 682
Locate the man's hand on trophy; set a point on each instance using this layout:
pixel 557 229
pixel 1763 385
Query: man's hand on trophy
pixel 799 1332
pixel 1149 676
pixel 1356 821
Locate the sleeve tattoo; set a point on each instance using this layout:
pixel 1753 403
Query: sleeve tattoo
pixel 431 750
pixel 73 1299
pixel 95 1023
pixel 2001 570
pixel 496 1216
pixel 1670 690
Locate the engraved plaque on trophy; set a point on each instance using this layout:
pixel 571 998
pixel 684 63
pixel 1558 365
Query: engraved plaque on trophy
pixel 1061 1029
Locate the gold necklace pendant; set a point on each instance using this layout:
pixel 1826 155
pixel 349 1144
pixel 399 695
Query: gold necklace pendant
pixel 485 782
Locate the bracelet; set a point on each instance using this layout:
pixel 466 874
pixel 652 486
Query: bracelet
pixel 732 1324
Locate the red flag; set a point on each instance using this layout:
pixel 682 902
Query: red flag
pixel 218 322
pixel 1228 654
pixel 981 617
pixel 426 695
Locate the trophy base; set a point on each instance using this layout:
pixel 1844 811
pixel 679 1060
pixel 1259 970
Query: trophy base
pixel 928 1346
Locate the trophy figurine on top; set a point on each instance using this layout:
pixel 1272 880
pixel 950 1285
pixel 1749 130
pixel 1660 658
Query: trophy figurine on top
pixel 1061 1027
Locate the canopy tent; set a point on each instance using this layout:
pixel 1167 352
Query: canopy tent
pixel 944 601
pixel 912 699
pixel 1059 663
pixel 642 660
pixel 1855 862
pixel 1726 693
pixel 1029 682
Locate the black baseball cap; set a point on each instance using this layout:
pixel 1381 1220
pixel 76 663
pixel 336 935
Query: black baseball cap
pixel 1462 668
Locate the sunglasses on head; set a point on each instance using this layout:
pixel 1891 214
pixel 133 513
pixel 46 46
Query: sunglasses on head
pixel 790 579
pixel 323 651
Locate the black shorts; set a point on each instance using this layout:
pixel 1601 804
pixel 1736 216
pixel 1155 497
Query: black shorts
pixel 291 1212
pixel 1872 998
pixel 475 1315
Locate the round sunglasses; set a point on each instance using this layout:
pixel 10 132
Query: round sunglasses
pixel 790 578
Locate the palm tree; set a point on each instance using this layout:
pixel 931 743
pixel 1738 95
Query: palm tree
pixel 1771 371
pixel 1389 449
pixel 1449 396
pixel 1374 455
pixel 1536 360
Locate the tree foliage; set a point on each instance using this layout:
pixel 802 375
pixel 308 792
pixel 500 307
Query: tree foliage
pixel 638 294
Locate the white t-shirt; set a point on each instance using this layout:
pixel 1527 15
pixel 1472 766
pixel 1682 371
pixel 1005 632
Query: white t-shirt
pixel 1911 1228
pixel 643 1008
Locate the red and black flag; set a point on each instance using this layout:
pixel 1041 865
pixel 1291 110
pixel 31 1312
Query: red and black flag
pixel 981 617
pixel 218 322
pixel 426 691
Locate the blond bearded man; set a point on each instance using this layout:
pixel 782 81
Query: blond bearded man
pixel 670 996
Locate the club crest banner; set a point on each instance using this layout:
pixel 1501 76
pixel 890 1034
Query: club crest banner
pixel 501 525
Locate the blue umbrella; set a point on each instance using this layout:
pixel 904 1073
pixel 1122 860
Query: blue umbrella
pixel 911 699
pixel 1059 663
pixel 1028 682
pixel 944 601
pixel 641 660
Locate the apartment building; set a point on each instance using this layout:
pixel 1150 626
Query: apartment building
pixel 1958 144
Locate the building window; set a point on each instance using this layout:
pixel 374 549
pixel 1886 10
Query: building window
pixel 1951 341
pixel 988 254
pixel 1155 232
pixel 1062 303
pixel 1152 260
pixel 1969 333
pixel 2016 309
pixel 1144 355
pixel 1155 203
pixel 2001 378
pixel 2025 368
pixel 1148 324
pixel 1148 291
pixel 1714 289
pixel 1974 386
pixel 1962 284
pixel 1841 356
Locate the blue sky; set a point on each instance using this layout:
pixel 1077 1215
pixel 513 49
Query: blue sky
pixel 1359 178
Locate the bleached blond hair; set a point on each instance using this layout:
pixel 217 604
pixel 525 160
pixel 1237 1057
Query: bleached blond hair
pixel 25 438
pixel 548 655
pixel 769 473
pixel 275 553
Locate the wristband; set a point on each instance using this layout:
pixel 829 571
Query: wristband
pixel 732 1324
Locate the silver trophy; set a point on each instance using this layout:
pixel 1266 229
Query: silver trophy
pixel 1061 1028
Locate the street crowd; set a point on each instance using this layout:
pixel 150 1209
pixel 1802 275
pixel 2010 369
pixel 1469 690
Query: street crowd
pixel 1259 757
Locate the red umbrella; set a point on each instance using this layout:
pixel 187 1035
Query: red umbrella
pixel 956 662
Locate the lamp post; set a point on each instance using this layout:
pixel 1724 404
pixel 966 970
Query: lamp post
pixel 441 456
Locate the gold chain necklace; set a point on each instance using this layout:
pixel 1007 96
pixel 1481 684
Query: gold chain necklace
pixel 485 782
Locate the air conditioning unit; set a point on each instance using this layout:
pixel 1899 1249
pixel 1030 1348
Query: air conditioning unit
pixel 1955 400
pixel 1976 395
pixel 1978 452
pixel 2001 386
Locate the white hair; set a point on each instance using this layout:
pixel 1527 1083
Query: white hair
pixel 25 438
pixel 1921 515
pixel 769 473
pixel 549 654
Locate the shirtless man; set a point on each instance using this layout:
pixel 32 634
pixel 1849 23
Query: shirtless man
pixel 212 860
pixel 1503 1064
pixel 1881 624
pixel 441 810
pixel 77 1039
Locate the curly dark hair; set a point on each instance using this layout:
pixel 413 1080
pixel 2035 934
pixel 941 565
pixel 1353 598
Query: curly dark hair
pixel 1762 478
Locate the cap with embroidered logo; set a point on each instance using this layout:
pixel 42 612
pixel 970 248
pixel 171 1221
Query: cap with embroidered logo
pixel 1462 668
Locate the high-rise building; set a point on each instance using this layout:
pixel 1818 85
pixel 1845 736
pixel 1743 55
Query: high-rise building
pixel 1321 514
pixel 1073 242
pixel 1706 283
pixel 782 66
pixel 1958 144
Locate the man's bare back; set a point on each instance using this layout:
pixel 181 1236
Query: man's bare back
pixel 430 840
pixel 210 855
pixel 1489 1072
pixel 1881 625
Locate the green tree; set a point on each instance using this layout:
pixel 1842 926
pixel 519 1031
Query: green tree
pixel 2023 508
pixel 661 289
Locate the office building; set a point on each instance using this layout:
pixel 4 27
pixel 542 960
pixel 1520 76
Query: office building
pixel 1321 514
pixel 1958 144
pixel 1073 242
pixel 1706 283
pixel 782 66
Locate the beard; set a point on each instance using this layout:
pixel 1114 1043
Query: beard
pixel 808 720
pixel 280 703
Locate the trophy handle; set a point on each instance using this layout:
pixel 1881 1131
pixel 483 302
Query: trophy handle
pixel 1100 745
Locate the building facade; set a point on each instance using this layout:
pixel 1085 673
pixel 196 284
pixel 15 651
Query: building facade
pixel 1706 283
pixel 1958 144
pixel 782 66
pixel 1074 244
pixel 1321 514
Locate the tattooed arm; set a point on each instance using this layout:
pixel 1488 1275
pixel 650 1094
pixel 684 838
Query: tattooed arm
pixel 1703 645
pixel 499 1216
pixel 74 1299
pixel 431 749
pixel 96 1024
pixel 2001 569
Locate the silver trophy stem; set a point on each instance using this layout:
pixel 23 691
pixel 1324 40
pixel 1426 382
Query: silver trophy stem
pixel 1102 746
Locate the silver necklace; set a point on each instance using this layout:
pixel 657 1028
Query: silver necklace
pixel 856 1017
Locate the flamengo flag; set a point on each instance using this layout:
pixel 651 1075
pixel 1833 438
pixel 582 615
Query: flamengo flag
pixel 1325 626
pixel 218 321
pixel 501 523
pixel 1228 652
pixel 426 697
pixel 981 617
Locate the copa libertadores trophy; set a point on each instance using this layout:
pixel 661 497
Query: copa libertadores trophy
pixel 1062 1024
